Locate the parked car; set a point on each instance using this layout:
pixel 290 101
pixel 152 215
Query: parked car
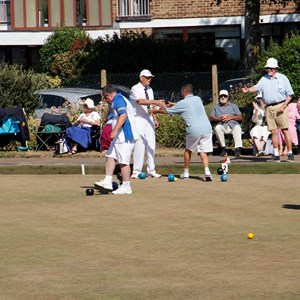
pixel 232 84
pixel 56 97
pixel 229 85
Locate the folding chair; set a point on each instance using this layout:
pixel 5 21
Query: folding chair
pixel 51 129
pixel 95 137
pixel 13 128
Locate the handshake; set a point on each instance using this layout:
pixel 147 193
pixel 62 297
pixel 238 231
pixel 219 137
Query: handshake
pixel 160 106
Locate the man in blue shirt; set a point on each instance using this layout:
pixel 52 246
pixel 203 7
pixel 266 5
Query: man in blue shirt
pixel 276 93
pixel 198 128
pixel 124 135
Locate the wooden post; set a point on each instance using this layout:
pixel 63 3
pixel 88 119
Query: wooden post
pixel 103 81
pixel 215 86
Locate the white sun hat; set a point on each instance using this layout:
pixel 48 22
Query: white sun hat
pixel 272 63
pixel 89 103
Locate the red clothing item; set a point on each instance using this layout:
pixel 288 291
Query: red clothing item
pixel 105 139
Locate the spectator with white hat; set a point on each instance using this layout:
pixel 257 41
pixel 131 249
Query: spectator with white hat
pixel 80 133
pixel 259 133
pixel 228 116
pixel 277 93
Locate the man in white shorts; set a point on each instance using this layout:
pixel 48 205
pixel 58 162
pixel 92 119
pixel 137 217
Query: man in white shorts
pixel 124 135
pixel 198 130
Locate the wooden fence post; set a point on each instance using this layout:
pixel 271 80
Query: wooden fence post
pixel 103 78
pixel 214 74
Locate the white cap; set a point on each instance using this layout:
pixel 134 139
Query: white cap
pixel 272 63
pixel 259 95
pixel 223 92
pixel 146 73
pixel 89 103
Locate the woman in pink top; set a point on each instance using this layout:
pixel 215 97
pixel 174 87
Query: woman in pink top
pixel 293 116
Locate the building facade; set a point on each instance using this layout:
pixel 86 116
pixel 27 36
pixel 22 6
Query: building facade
pixel 26 24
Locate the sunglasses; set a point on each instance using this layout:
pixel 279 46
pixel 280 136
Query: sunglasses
pixel 268 69
pixel 223 96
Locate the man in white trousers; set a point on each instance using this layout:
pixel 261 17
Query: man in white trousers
pixel 142 98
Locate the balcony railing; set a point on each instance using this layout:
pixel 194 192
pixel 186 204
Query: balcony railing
pixel 3 13
pixel 134 10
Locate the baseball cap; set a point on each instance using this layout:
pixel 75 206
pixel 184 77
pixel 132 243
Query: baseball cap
pixel 223 92
pixel 146 73
pixel 272 63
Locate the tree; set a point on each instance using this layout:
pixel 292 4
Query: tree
pixel 17 87
pixel 64 51
pixel 253 34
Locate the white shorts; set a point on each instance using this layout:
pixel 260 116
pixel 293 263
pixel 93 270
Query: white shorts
pixel 121 152
pixel 199 144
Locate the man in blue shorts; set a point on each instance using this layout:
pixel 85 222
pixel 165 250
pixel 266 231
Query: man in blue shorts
pixel 198 129
pixel 124 135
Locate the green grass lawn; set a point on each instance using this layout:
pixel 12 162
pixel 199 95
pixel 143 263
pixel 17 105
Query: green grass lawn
pixel 168 240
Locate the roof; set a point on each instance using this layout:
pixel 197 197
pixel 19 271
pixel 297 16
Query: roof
pixel 73 95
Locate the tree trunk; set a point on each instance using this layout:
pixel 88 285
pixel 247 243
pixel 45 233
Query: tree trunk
pixel 252 34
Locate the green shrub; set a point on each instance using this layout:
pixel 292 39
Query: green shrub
pixel 64 51
pixel 131 51
pixel 17 87
pixel 171 132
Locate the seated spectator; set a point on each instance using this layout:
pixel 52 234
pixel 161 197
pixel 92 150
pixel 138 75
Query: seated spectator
pixel 293 117
pixel 259 133
pixel 105 139
pixel 228 116
pixel 80 133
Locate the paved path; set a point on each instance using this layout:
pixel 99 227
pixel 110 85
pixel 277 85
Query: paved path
pixel 174 157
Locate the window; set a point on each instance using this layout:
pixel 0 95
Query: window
pixel 227 37
pixel 43 12
pixel 81 12
pixel 4 11
pixel 55 13
pixel 134 9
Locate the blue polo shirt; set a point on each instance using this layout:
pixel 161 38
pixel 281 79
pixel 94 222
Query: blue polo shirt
pixel 128 132
pixel 191 109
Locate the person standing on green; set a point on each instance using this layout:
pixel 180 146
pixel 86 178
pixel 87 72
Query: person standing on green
pixel 198 129
pixel 276 93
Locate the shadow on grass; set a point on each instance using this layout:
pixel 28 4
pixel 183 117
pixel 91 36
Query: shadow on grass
pixel 291 206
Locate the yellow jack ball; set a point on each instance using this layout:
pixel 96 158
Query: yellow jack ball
pixel 175 179
pixel 250 235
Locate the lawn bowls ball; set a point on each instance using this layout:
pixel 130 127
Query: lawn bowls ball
pixel 250 236
pixel 220 171
pixel 171 177
pixel 115 185
pixel 224 177
pixel 142 175
pixel 89 192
